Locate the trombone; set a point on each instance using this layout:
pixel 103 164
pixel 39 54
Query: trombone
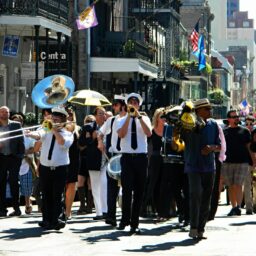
pixel 47 125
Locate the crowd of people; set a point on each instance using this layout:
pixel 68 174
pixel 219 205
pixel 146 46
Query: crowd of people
pixel 167 170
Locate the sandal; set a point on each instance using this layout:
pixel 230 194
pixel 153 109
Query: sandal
pixel 28 209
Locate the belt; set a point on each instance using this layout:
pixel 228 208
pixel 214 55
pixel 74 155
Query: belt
pixel 134 154
pixel 7 155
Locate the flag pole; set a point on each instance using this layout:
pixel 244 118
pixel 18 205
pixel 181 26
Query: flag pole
pixel 88 54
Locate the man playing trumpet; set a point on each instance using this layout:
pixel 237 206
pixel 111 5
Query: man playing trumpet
pixel 54 160
pixel 133 129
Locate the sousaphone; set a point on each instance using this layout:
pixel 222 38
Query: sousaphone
pixel 53 91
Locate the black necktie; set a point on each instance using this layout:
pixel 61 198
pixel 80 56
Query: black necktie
pixel 51 148
pixel 118 147
pixel 134 134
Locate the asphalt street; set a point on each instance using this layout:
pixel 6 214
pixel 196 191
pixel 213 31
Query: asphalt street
pixel 84 237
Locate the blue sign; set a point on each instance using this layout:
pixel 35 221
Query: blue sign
pixel 11 46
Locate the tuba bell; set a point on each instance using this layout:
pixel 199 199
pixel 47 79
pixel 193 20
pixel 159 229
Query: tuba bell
pixel 53 91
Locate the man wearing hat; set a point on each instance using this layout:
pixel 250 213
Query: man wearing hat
pixel 133 129
pixel 112 148
pixel 54 160
pixel 200 145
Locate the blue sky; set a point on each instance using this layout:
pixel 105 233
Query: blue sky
pixel 250 6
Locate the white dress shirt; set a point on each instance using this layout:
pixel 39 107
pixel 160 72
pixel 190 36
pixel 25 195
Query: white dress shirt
pixel 60 154
pixel 141 136
pixel 106 129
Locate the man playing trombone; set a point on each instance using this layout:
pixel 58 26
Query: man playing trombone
pixel 54 160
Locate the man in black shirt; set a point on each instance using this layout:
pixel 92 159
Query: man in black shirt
pixel 235 168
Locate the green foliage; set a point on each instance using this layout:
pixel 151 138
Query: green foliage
pixel 216 96
pixel 30 119
pixel 129 46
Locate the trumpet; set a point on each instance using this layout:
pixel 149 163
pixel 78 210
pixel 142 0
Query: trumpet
pixel 131 110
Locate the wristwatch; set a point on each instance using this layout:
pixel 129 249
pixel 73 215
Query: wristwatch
pixel 139 117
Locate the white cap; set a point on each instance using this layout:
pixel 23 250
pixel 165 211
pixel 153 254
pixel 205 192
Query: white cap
pixel 134 95
pixel 119 97
pixel 60 110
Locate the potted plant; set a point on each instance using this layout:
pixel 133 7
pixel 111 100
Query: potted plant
pixel 216 96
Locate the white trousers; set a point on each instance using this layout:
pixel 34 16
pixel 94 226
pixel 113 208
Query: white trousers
pixel 99 190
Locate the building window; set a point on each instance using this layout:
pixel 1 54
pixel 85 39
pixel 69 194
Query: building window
pixel 232 24
pixel 246 24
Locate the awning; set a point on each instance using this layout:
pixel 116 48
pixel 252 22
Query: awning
pixel 24 25
pixel 223 60
pixel 123 65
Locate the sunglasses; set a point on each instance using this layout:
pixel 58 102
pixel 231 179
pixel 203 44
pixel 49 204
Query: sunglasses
pixel 233 117
pixel 249 124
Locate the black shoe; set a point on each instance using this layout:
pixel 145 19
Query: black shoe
pixel 135 231
pixel 44 224
pixel 15 213
pixel 101 217
pixel 59 225
pixel 232 212
pixel 237 211
pixel 121 226
pixel 249 212
pixel 111 222
pixel 3 213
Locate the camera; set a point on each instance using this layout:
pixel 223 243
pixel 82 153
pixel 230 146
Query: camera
pixel 90 127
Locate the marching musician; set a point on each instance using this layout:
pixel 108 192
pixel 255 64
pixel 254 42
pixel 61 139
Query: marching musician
pixel 201 143
pixel 11 155
pixel 112 148
pixel 133 129
pixel 174 184
pixel 54 161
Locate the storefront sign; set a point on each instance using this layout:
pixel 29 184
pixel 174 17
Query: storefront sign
pixel 11 46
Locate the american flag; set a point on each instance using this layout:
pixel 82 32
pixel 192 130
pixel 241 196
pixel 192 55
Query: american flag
pixel 194 37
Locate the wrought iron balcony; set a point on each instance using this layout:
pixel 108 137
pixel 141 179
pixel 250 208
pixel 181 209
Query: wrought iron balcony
pixel 56 10
pixel 158 4
pixel 122 49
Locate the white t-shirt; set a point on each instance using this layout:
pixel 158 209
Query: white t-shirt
pixel 141 136
pixel 29 143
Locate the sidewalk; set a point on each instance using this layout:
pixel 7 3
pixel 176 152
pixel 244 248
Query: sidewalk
pixel 84 237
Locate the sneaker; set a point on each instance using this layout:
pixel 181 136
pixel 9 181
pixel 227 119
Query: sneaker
pixel 193 233
pixel 15 213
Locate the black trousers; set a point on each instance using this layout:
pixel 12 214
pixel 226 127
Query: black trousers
pixel 133 179
pixel 9 164
pixel 174 186
pixel 113 190
pixel 200 191
pixel 215 192
pixel 52 183
pixel 152 191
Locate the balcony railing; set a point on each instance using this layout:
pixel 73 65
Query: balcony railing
pixel 56 10
pixel 129 49
pixel 157 4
